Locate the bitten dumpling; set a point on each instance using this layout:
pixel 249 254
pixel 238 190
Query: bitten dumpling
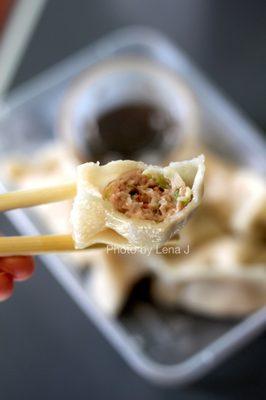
pixel 133 203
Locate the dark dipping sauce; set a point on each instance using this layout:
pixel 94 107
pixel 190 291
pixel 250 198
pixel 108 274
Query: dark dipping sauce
pixel 125 132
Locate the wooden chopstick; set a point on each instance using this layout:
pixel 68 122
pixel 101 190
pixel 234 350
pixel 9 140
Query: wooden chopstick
pixel 33 245
pixel 44 244
pixel 38 196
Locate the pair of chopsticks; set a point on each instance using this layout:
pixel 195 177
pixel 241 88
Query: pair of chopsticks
pixel 33 245
pixel 30 245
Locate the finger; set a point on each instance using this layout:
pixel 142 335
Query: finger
pixel 6 286
pixel 19 267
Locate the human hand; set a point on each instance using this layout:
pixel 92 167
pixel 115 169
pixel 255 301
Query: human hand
pixel 13 269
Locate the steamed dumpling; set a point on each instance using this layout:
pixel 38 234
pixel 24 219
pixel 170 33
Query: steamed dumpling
pixel 222 297
pixel 111 279
pixel 249 214
pixel 224 278
pixel 237 196
pixel 144 205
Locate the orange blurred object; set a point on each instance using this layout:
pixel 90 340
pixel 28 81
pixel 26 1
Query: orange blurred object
pixel 6 285
pixel 20 268
pixel 5 8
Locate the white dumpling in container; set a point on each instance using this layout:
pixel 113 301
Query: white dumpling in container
pixel 249 205
pixel 225 278
pixel 129 203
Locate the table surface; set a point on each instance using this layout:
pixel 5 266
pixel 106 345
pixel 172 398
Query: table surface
pixel 48 348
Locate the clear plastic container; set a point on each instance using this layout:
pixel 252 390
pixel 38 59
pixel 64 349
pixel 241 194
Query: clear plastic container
pixel 165 347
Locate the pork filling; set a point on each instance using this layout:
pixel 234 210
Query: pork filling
pixel 147 197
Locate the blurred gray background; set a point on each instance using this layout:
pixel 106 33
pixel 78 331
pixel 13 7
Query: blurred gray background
pixel 226 39
pixel 48 349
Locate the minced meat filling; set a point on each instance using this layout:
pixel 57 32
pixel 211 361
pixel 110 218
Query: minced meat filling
pixel 143 196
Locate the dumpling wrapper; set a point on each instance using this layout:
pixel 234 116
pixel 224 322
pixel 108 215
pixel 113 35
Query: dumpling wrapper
pixel 223 297
pixel 224 278
pixel 111 279
pixel 249 214
pixel 93 215
pixel 236 195
pixel 202 228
